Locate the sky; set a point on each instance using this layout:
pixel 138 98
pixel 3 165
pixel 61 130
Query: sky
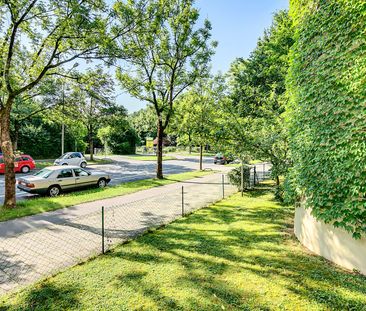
pixel 236 25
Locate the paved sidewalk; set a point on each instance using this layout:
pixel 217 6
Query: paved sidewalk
pixel 37 246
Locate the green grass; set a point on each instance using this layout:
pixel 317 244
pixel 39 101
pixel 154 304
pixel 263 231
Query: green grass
pixel 186 153
pixel 150 158
pixel 238 254
pixel 99 161
pixel 256 161
pixel 45 204
pixel 42 164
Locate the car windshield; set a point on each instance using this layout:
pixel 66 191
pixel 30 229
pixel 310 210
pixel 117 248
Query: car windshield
pixel 65 155
pixel 45 173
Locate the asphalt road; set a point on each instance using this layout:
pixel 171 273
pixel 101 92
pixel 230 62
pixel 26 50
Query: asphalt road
pixel 124 169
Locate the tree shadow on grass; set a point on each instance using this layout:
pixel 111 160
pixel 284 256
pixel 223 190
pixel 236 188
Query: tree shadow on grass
pixel 46 296
pixel 208 247
pixel 275 256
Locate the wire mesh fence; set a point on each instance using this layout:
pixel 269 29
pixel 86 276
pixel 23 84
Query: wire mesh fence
pixel 259 173
pixel 57 243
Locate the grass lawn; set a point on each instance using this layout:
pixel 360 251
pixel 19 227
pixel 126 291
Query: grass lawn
pixel 150 157
pixel 42 164
pixel 238 254
pixel 256 161
pixel 44 204
pixel 186 153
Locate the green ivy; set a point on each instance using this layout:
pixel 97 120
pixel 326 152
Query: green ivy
pixel 327 110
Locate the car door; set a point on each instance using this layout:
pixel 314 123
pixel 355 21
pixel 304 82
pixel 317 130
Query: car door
pixel 17 164
pixel 83 178
pixel 65 178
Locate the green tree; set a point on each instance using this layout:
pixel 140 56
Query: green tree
pixel 144 122
pixel 36 39
pixel 93 97
pixel 258 95
pixel 194 116
pixel 166 54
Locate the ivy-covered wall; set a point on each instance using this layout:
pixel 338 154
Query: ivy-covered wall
pixel 327 110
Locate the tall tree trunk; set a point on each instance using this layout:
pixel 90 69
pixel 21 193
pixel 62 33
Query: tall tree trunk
pixel 242 177
pixel 190 143
pixel 277 181
pixel 91 143
pixel 201 153
pixel 8 153
pixel 159 151
pixel 16 134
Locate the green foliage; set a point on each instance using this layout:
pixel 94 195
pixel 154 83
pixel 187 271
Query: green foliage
pixel 327 110
pixel 164 54
pixel 235 177
pixel 252 119
pixel 195 114
pixel 120 137
pixel 144 123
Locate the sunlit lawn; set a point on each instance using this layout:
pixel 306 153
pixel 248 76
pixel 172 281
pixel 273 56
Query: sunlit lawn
pixel 42 164
pixel 150 157
pixel 44 204
pixel 238 254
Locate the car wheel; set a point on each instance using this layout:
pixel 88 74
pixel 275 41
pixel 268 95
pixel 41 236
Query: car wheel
pixel 83 164
pixel 64 163
pixel 25 169
pixel 102 183
pixel 53 191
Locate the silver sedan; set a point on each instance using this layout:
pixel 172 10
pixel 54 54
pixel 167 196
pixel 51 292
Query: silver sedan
pixel 53 180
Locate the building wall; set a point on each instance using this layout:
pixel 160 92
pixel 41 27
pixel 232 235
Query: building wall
pixel 335 244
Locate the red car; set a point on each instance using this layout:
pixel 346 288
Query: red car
pixel 23 164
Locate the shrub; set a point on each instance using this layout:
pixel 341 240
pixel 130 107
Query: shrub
pixel 235 177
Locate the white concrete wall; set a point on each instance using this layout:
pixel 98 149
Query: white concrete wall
pixel 335 244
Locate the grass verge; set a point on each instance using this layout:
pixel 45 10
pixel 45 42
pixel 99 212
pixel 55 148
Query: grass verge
pixel 150 158
pixel 42 164
pixel 238 254
pixel 45 204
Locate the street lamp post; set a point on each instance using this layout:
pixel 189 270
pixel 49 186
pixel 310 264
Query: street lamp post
pixel 63 124
pixel 63 111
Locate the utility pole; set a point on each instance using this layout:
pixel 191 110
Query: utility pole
pixel 63 124
pixel 63 110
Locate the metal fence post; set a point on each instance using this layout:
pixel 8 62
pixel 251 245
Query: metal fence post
pixel 102 229
pixel 255 174
pixel 223 186
pixel 182 201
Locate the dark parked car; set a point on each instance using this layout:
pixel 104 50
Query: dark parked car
pixel 222 159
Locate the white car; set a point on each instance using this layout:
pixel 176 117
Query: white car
pixel 71 158
pixel 52 180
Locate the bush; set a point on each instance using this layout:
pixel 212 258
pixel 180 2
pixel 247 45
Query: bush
pixel 235 177
pixel 170 149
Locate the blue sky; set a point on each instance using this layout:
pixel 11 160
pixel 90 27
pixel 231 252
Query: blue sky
pixel 236 25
